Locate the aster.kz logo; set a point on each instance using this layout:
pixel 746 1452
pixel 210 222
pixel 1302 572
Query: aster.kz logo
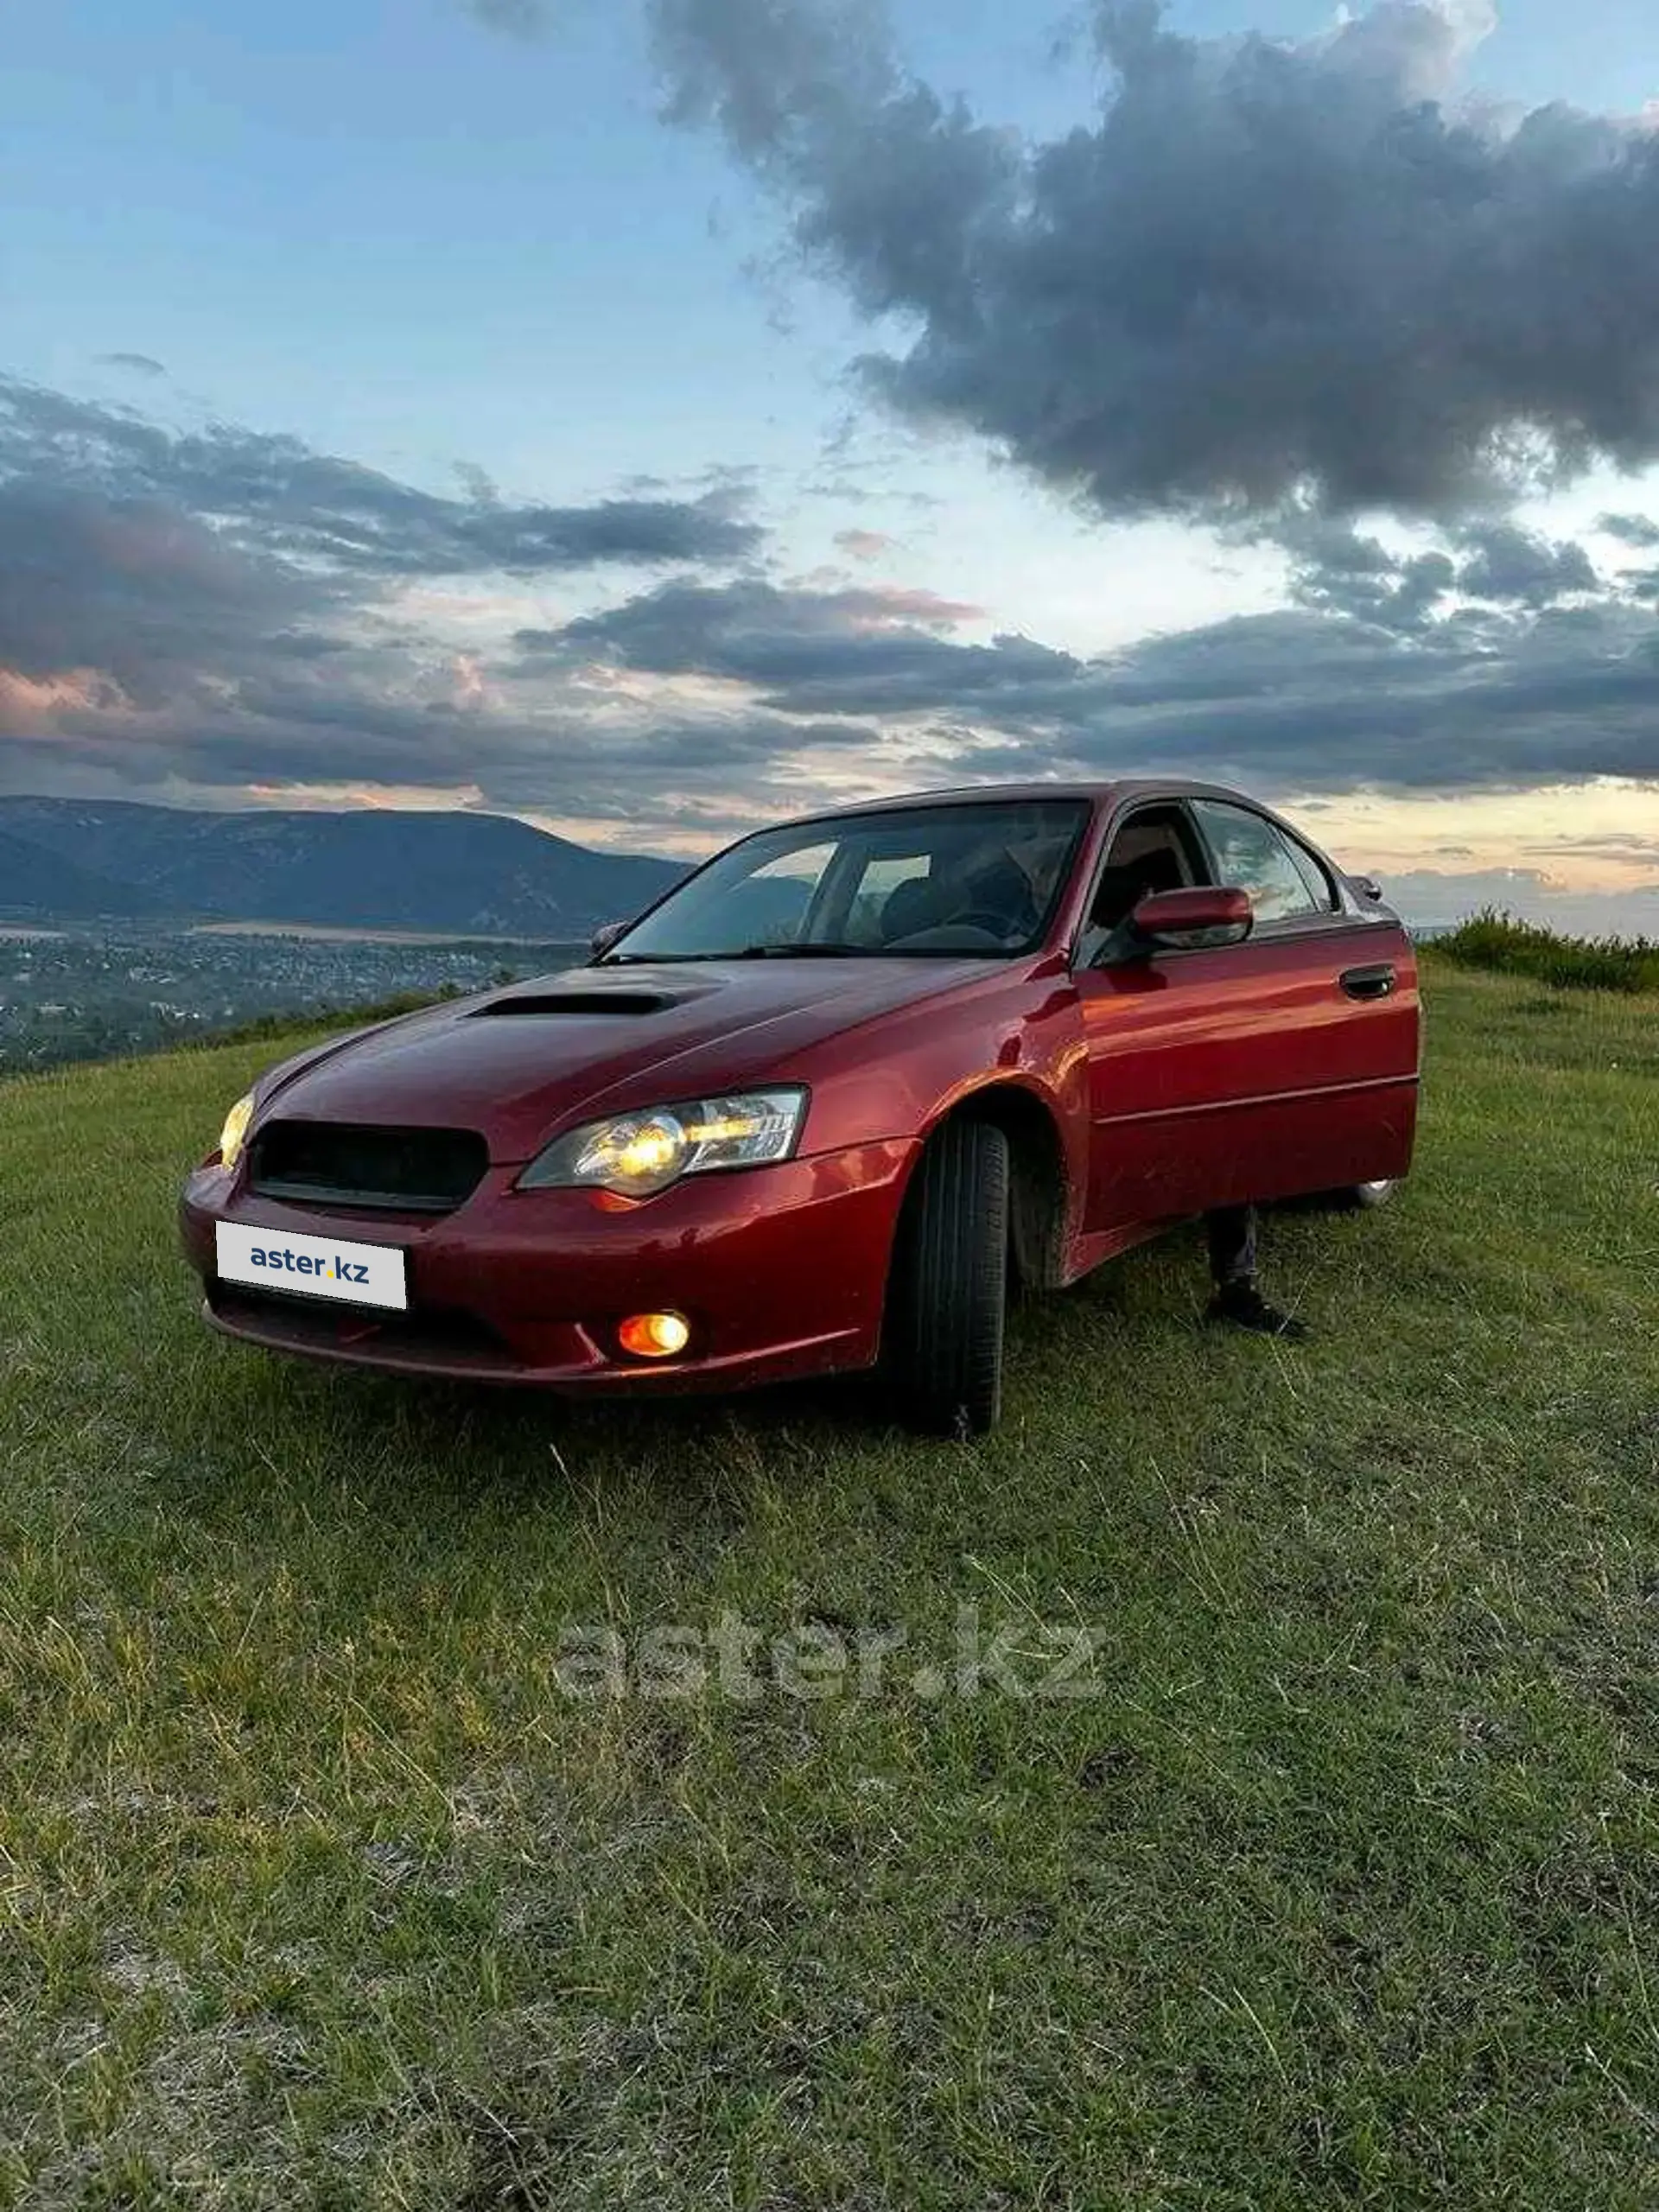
pixel 299 1263
pixel 315 1267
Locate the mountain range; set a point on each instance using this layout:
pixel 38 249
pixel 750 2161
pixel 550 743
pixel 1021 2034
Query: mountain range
pixel 445 875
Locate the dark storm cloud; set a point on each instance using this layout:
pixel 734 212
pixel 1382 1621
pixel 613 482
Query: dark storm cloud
pixel 660 771
pixel 1303 703
pixel 1281 285
pixel 177 564
pixel 1507 563
pixel 1505 695
pixel 868 652
pixel 1337 570
pixel 223 606
pixel 140 364
pixel 1266 278
pixel 1630 530
pixel 276 495
pixel 138 589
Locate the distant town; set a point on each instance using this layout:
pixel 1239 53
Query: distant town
pixel 85 993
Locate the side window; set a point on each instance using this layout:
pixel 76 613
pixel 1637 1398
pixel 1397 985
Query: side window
pixel 1314 874
pixel 1153 851
pixel 1250 853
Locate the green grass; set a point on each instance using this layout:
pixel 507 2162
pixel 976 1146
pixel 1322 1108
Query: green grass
pixel 1502 945
pixel 1342 1889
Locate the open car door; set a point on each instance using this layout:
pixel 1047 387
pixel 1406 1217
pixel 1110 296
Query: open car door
pixel 1221 1073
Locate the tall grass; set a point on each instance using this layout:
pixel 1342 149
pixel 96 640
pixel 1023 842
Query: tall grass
pixel 322 1889
pixel 1495 940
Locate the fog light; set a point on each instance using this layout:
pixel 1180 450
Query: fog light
pixel 655 1336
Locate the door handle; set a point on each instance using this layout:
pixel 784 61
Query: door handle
pixel 1369 982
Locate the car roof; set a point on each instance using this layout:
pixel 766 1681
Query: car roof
pixel 1096 795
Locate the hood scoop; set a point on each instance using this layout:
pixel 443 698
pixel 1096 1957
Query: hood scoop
pixel 550 1004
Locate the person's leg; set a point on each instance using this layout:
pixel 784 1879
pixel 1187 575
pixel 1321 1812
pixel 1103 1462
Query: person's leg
pixel 1232 1234
pixel 1234 1265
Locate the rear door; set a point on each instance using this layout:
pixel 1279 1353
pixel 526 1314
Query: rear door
pixel 1287 1064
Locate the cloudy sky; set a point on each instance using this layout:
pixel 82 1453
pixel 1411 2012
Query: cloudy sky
pixel 650 416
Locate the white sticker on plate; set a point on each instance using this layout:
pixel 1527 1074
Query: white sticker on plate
pixel 312 1267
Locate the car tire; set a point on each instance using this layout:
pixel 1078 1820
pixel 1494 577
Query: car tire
pixel 948 1308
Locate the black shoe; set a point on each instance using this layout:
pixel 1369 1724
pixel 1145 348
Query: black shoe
pixel 1242 1305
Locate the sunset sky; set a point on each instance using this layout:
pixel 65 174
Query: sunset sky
pixel 650 419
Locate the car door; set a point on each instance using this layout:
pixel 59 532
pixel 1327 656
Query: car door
pixel 1283 1065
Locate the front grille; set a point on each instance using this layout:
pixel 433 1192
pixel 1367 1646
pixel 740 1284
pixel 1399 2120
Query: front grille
pixel 402 1171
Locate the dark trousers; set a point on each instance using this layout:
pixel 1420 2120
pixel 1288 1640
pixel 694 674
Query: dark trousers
pixel 1232 1244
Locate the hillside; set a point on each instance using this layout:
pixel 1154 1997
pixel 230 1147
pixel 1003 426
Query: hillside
pixel 467 874
pixel 36 882
pixel 1340 1887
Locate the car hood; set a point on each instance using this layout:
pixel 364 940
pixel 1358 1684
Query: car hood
pixel 518 1064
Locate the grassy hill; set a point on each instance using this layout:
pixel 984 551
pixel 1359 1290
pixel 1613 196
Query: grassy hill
pixel 1342 1887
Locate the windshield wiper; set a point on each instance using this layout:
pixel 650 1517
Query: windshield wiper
pixel 799 952
pixel 742 952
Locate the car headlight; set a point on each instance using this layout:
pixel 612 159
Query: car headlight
pixel 638 1154
pixel 234 1135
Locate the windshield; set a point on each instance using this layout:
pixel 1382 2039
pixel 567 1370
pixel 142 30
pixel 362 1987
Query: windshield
pixel 979 877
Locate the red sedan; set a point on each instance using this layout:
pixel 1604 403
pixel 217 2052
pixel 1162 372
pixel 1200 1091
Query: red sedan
pixel 819 1105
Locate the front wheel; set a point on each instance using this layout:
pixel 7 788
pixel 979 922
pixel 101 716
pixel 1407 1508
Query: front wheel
pixel 948 1305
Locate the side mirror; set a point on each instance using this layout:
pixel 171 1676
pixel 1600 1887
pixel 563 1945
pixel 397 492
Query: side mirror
pixel 1183 920
pixel 602 939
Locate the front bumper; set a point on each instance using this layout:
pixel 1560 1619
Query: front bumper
pixel 781 1271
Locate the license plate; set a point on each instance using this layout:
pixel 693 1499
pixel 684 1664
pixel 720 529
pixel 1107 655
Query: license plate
pixel 313 1267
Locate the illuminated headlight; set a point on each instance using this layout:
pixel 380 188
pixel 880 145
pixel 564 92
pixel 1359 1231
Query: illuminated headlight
pixel 638 1154
pixel 234 1135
